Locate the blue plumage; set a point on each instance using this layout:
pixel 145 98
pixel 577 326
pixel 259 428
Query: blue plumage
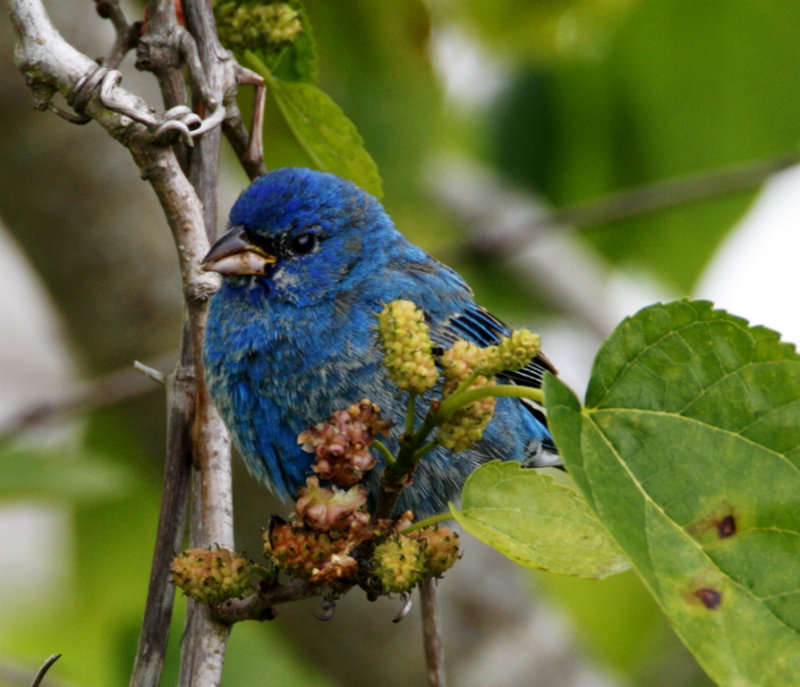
pixel 308 260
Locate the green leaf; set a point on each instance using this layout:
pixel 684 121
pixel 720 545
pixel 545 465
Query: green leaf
pixel 65 475
pixel 689 450
pixel 535 522
pixel 326 134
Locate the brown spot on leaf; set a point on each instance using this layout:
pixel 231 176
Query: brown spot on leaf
pixel 721 523
pixel 726 527
pixel 710 598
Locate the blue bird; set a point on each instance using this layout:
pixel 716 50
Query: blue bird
pixel 307 262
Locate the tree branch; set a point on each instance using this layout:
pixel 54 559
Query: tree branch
pixel 51 65
pixel 259 606
pixel 669 193
pixel 43 670
pixel 206 639
pixel 431 633
pixel 127 35
pixel 119 385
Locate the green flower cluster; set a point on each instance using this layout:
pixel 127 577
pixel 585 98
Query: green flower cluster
pixel 407 344
pixel 211 576
pixel 466 425
pixel 256 26
pixel 512 353
pixel 465 366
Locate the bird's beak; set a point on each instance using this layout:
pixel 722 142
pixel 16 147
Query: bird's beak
pixel 233 253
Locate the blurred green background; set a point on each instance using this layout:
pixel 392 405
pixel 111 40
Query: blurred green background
pixel 482 116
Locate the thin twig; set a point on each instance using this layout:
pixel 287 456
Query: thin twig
pixel 153 638
pixel 536 241
pixel 245 144
pixel 150 372
pixel 126 35
pixel 43 670
pixel 157 52
pixel 259 606
pixel 431 633
pixel 248 146
pixel 119 385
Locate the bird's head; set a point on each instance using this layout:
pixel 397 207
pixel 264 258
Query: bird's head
pixel 302 234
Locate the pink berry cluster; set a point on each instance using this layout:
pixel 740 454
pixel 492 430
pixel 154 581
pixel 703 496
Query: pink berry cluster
pixel 327 524
pixel 329 521
pixel 341 444
pixel 331 536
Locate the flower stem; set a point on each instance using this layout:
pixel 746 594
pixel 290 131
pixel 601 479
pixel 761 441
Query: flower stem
pixel 463 398
pixel 383 449
pixel 427 522
pixel 420 453
pixel 412 402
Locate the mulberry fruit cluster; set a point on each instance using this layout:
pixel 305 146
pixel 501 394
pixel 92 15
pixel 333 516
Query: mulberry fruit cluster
pixel 401 561
pixel 341 443
pixel 256 26
pixel 315 556
pixel 211 576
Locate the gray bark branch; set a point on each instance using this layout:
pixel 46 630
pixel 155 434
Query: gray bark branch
pixel 50 65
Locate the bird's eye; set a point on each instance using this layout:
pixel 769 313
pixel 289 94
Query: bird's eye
pixel 303 243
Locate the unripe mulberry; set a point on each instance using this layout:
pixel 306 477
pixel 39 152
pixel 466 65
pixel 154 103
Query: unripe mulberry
pixel 511 353
pixel 249 26
pixel 211 576
pixel 397 563
pixel 314 556
pixel 439 549
pixel 297 550
pixel 464 427
pixel 459 361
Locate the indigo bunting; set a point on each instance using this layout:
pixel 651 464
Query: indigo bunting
pixel 307 262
